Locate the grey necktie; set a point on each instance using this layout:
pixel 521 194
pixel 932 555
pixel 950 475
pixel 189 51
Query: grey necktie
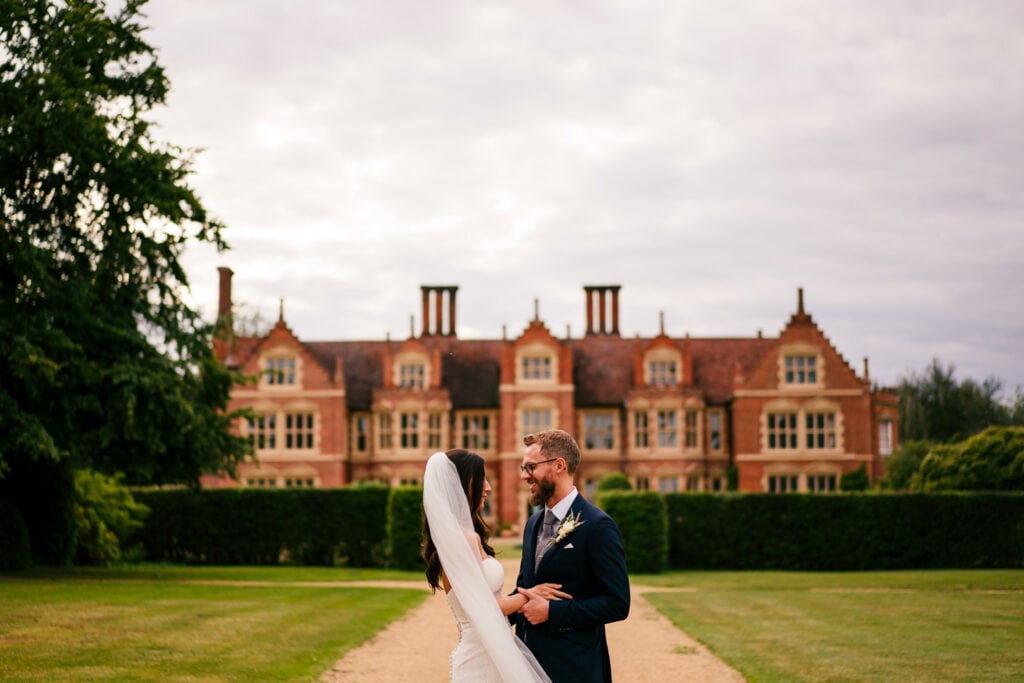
pixel 547 532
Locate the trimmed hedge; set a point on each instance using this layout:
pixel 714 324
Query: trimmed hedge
pixel 260 527
pixel 642 520
pixel 405 527
pixel 845 532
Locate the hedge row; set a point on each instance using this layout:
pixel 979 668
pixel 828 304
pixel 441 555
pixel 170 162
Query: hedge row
pixel 258 526
pixel 845 532
pixel 643 523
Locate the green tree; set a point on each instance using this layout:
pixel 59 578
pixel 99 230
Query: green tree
pixel 102 362
pixel 105 515
pixel 855 480
pixel 904 464
pixel 992 460
pixel 934 406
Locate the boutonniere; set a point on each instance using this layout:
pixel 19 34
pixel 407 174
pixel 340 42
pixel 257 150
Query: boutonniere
pixel 568 525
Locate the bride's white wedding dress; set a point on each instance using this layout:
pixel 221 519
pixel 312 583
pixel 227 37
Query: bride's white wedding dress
pixel 469 660
pixel 488 651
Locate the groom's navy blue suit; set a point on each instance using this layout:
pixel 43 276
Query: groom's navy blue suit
pixel 591 566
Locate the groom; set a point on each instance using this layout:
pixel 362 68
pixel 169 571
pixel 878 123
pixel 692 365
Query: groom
pixel 573 543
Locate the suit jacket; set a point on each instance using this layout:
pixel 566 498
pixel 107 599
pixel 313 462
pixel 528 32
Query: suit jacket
pixel 591 566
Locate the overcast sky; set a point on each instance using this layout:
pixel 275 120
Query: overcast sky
pixel 710 157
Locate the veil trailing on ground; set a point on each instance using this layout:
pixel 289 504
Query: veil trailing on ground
pixel 451 529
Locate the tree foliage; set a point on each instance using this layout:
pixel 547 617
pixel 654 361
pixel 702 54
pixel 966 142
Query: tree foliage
pixel 103 363
pixel 904 464
pixel 106 514
pixel 990 461
pixel 934 406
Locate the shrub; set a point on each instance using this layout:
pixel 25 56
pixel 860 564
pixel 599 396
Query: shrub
pixel 616 481
pixel 641 517
pixel 856 480
pixel 105 516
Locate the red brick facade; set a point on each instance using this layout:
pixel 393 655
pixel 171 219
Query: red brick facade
pixel 672 413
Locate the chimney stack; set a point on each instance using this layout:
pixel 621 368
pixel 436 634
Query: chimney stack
pixel 608 307
pixel 439 292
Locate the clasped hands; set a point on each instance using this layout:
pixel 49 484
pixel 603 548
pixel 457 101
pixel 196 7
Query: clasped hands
pixel 537 601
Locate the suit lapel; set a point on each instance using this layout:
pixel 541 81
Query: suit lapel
pixel 575 509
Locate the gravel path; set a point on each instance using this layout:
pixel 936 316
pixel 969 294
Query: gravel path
pixel 645 647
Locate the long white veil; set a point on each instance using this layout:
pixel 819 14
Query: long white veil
pixel 451 529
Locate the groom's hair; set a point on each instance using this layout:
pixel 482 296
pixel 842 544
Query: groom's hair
pixel 556 443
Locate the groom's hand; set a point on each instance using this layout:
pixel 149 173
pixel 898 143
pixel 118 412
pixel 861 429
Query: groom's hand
pixel 549 591
pixel 536 608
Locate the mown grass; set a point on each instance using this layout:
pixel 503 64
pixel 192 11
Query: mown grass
pixel 162 623
pixel 944 625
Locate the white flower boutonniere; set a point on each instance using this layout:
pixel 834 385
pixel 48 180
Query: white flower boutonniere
pixel 568 525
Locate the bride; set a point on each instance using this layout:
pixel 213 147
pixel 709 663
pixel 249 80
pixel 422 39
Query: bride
pixel 460 560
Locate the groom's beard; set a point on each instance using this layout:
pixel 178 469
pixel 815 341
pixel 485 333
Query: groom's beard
pixel 545 489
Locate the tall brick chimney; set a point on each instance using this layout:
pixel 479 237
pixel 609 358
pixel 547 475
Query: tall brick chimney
pixel 224 317
pixel 439 292
pixel 607 307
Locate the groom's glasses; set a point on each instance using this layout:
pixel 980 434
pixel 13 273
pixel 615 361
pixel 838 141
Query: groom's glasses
pixel 529 467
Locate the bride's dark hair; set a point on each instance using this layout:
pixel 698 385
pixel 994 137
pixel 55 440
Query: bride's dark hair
pixel 470 467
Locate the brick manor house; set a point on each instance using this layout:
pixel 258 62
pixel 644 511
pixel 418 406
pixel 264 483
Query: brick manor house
pixel 671 413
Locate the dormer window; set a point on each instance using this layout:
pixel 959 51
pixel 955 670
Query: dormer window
pixel 411 376
pixel 662 368
pixel 536 367
pixel 280 371
pixel 662 373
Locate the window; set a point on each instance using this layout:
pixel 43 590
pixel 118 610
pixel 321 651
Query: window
pixel 717 483
pixel 298 482
pixel 280 371
pixel 434 431
pixel 536 367
pixel 263 431
pixel 411 376
pixel 821 430
pixel 262 482
pixel 641 438
pixel 385 430
pixel 801 369
pixel 298 430
pixel 476 432
pixel 590 487
pixel 409 430
pixel 662 373
pixel 361 433
pixel 781 430
pixel 668 484
pixel 821 483
pixel 715 430
pixel 693 483
pixel 598 431
pixel 536 421
pixel 782 483
pixel 643 484
pixel 691 428
pixel 667 429
pixel 885 437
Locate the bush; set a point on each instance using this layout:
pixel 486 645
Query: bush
pixel 616 481
pixel 857 480
pixel 14 548
pixel 405 527
pixel 641 517
pixel 105 516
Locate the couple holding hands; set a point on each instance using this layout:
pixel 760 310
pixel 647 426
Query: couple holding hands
pixel 572 579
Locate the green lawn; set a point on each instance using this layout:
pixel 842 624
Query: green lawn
pixel 859 626
pixel 167 623
pixel 162 622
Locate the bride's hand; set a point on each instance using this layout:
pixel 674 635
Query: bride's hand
pixel 549 591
